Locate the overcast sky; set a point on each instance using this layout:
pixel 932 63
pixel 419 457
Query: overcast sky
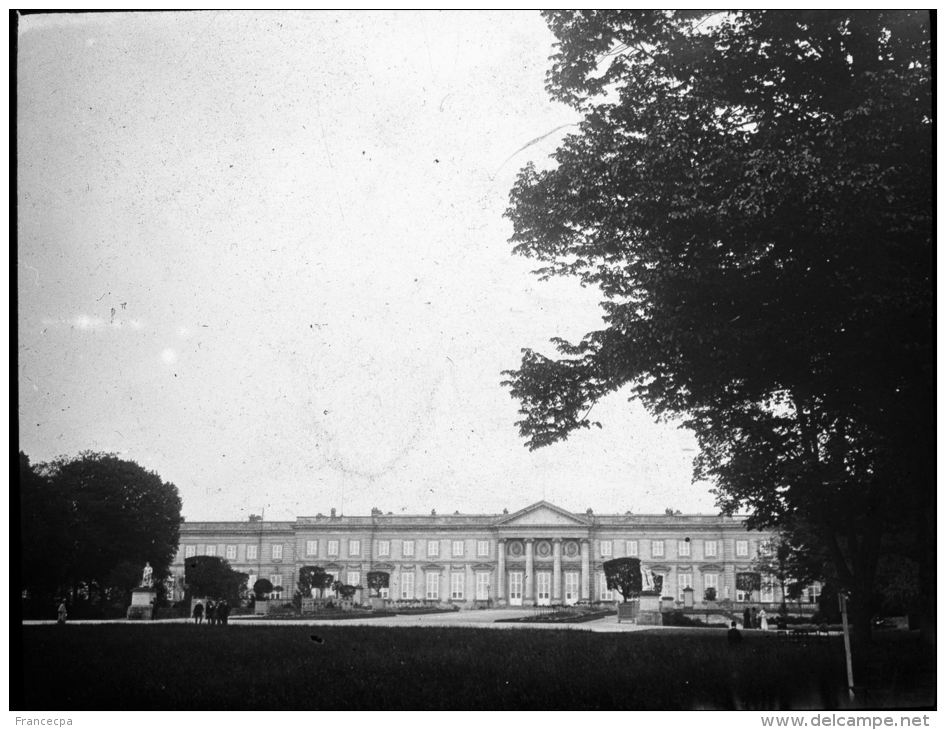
pixel 263 254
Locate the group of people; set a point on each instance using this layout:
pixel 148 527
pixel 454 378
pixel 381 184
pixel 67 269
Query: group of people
pixel 216 613
pixel 756 618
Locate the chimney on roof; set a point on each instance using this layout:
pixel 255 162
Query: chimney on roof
pixel 333 513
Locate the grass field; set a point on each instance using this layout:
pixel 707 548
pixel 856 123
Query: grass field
pixel 265 667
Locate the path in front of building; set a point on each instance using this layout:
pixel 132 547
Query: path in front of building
pixel 470 619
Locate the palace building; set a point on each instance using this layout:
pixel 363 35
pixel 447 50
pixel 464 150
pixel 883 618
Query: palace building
pixel 540 555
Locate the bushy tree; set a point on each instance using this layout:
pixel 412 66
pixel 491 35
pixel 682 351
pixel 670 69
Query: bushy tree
pixel 344 590
pixel 378 579
pixel 624 575
pixel 752 194
pixel 104 518
pixel 211 576
pixel 313 577
pixel 261 588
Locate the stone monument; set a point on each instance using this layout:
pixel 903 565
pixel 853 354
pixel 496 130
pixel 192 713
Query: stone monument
pixel 143 597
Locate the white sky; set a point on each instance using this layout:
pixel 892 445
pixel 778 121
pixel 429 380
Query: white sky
pixel 264 255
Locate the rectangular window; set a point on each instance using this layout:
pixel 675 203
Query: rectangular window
pixel 709 548
pixel 407 586
pixel 571 587
pixel 604 593
pixel 433 586
pixel 684 580
pixel 711 580
pixel 632 549
pixel 354 578
pixel 277 552
pixel 742 548
pixel 457 548
pixel 231 552
pixel 250 581
pixel 251 552
pixel 311 547
pixel 813 593
pixel 407 549
pixel 482 548
pixel 683 548
pixel 482 586
pixel 605 548
pixel 333 548
pixel 657 548
pixel 189 551
pixel 334 574
pixel 354 548
pixel 767 594
pixel 276 580
pixel 211 550
pixel 384 548
pixel 433 548
pixel 456 586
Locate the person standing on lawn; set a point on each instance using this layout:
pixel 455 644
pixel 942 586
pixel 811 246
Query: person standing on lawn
pixel 199 613
pixel 755 617
pixel 763 620
pixel 223 612
pixel 746 618
pixel 211 613
pixel 61 613
pixel 733 636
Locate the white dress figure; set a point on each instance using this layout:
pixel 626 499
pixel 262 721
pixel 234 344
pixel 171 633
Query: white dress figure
pixel 146 576
pixel 763 620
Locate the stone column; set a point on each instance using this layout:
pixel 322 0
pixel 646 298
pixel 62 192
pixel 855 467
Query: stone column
pixel 420 583
pixel 585 570
pixel 528 593
pixel 501 570
pixel 557 569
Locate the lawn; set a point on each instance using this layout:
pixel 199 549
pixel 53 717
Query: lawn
pixel 191 667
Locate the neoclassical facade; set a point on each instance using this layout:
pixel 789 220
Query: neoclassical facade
pixel 540 555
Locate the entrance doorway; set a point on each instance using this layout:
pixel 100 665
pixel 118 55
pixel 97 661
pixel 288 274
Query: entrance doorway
pixel 543 589
pixel 515 588
pixel 571 588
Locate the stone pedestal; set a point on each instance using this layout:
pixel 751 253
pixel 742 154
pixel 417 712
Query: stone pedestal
pixel 142 604
pixel 648 612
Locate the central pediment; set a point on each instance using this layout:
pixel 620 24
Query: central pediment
pixel 544 514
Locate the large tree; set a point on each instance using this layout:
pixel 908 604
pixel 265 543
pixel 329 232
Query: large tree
pixel 210 576
pixel 751 192
pixel 110 517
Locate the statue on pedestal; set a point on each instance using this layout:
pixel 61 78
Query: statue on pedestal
pixel 647 580
pixel 147 580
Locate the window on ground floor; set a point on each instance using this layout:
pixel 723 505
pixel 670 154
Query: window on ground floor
pixel 482 586
pixel 604 593
pixel 710 580
pixel 407 586
pixel 684 581
pixel 456 586
pixel 433 587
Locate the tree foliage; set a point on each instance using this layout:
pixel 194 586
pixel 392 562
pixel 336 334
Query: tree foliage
pixel 752 194
pixel 378 579
pixel 624 575
pixel 90 523
pixel 210 576
pixel 313 577
pixel 262 587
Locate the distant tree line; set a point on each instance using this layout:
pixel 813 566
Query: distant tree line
pixel 88 525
